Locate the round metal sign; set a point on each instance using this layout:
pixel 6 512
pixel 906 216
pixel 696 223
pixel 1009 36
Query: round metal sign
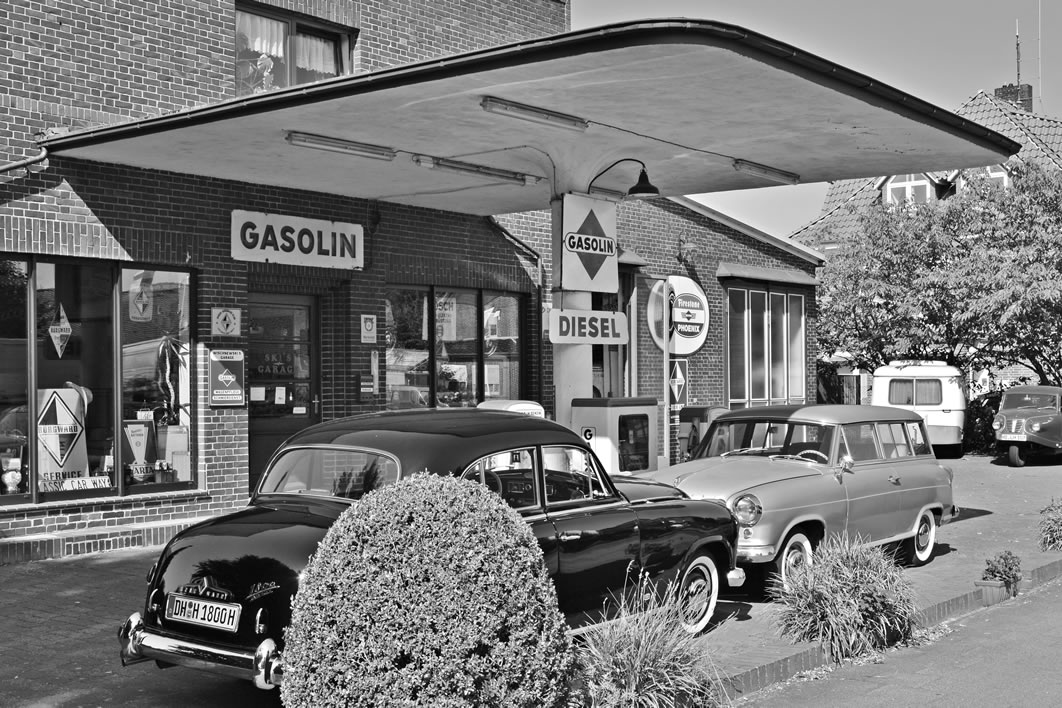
pixel 689 315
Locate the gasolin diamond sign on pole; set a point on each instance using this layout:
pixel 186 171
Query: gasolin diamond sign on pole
pixel 589 250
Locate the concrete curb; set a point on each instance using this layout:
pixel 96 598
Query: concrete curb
pixel 777 670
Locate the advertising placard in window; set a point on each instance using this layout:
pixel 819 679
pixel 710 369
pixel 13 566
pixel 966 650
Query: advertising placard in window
pixel 227 378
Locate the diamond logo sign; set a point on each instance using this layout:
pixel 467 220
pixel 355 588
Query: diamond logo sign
pixel 589 249
pixel 58 429
pixel 60 330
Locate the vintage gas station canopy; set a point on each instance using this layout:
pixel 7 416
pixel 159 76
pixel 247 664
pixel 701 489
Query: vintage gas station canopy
pixel 700 106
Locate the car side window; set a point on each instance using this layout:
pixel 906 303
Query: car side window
pixel 572 473
pixel 919 441
pixel 862 441
pixel 893 440
pixel 510 474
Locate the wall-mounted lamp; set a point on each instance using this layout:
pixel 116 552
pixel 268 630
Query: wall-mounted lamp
pixel 467 168
pixel 347 147
pixel 766 172
pixel 534 114
pixel 685 251
pixel 642 189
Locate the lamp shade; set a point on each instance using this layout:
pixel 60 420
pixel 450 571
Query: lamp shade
pixel 643 188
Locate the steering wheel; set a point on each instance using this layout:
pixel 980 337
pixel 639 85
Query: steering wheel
pixel 493 481
pixel 815 453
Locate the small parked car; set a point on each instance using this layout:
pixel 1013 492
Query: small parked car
pixel 792 475
pixel 219 596
pixel 1028 423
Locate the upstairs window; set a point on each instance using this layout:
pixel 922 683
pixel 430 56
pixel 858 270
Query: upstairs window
pixel 902 189
pixel 275 50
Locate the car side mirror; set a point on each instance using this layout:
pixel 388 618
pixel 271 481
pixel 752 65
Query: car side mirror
pixel 846 465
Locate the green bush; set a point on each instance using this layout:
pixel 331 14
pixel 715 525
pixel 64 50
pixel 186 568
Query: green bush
pixel 1006 566
pixel 643 658
pixel 433 592
pixel 1051 527
pixel 851 599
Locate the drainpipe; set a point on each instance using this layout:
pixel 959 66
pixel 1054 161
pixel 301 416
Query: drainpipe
pixel 25 163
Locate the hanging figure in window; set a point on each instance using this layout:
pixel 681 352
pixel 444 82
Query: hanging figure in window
pixel 254 70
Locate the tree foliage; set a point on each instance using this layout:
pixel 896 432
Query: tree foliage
pixel 974 280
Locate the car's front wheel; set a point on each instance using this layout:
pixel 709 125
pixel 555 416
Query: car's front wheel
pixel 796 552
pixel 698 592
pixel 919 548
pixel 1016 456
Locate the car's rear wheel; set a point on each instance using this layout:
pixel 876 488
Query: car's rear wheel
pixel 698 593
pixel 919 548
pixel 1016 456
pixel 796 552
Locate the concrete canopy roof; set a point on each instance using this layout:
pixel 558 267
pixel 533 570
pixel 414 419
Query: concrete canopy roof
pixel 684 97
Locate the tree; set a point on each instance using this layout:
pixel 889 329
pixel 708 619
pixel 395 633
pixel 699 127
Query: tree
pixel 974 280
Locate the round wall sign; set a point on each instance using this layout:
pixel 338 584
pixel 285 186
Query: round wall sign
pixel 689 315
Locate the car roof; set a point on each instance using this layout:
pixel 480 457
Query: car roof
pixel 1056 390
pixel 437 439
pixel 830 414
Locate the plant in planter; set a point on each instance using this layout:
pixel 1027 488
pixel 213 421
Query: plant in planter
pixel 1000 578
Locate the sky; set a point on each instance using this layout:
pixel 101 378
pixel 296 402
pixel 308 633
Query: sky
pixel 941 51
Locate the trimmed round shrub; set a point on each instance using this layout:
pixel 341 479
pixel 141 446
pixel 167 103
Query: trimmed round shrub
pixel 428 592
pixel 851 599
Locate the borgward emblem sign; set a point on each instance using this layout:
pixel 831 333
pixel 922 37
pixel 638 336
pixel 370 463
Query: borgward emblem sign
pixel 58 429
pixel 591 244
pixel 226 377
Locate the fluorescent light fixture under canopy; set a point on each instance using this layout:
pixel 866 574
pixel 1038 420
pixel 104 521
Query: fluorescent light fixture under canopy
pixel 771 173
pixel 346 147
pixel 534 114
pixel 467 168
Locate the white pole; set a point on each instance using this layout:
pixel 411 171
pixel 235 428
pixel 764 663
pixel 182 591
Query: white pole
pixel 665 310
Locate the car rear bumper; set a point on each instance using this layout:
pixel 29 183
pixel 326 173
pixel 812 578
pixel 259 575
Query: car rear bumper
pixel 263 666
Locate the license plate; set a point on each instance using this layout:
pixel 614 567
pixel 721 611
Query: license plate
pixel 217 615
pixel 1019 437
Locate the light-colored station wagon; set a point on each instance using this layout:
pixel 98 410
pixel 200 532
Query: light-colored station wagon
pixel 793 474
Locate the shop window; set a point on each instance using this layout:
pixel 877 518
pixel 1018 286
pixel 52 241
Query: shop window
pixel 93 434
pixel 452 348
pixel 156 383
pixel 766 348
pixel 275 50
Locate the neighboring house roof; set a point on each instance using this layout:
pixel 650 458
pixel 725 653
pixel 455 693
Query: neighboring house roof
pixel 1039 135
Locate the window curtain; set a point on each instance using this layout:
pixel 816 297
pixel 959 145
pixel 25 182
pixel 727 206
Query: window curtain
pixel 263 34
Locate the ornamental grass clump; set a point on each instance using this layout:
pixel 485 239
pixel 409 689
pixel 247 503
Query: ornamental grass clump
pixel 852 599
pixel 643 658
pixel 1051 526
pixel 428 592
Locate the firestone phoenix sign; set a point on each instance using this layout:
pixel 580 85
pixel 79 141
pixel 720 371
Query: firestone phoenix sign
pixel 292 240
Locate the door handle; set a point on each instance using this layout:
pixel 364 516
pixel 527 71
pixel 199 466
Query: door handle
pixel 316 404
pixel 894 479
pixel 571 536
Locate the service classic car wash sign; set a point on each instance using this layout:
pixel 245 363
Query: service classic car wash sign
pixel 589 251
pixel 293 240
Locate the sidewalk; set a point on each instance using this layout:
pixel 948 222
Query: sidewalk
pixel 59 618
pixel 1000 510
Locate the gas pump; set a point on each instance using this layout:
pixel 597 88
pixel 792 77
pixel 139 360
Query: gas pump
pixel 620 431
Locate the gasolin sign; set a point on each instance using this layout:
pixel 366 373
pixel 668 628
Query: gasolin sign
pixel 294 240
pixel 587 327
pixel 589 251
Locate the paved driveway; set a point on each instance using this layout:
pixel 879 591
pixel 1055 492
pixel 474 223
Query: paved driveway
pixel 59 618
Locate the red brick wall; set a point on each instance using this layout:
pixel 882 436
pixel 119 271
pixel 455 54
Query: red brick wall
pixel 68 65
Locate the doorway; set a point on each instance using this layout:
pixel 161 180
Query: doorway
pixel 283 375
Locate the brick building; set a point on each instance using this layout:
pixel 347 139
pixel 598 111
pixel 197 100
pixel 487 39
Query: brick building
pixel 170 314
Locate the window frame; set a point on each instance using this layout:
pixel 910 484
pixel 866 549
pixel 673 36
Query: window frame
pixel 909 183
pixel 344 37
pixel 750 332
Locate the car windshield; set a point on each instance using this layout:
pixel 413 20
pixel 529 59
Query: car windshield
pixel 329 472
pixel 810 441
pixel 1029 400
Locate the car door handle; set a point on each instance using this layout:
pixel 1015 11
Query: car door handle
pixel 571 536
pixel 894 479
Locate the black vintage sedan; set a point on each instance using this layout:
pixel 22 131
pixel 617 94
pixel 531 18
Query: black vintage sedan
pixel 219 596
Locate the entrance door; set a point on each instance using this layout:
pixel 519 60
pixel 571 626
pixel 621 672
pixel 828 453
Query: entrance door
pixel 282 373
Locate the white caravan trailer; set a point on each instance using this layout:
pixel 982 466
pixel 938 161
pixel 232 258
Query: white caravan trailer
pixel 934 390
